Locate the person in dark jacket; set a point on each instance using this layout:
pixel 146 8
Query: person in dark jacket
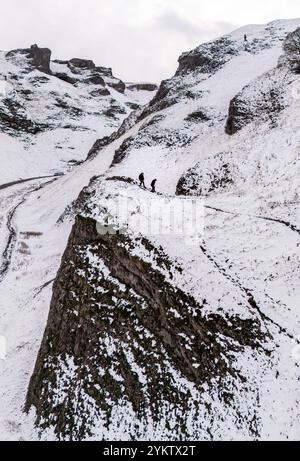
pixel 153 185
pixel 142 180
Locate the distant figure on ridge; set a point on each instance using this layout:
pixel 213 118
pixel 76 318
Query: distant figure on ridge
pixel 245 38
pixel 153 185
pixel 142 180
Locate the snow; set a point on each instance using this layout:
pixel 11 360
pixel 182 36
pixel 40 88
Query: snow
pixel 75 118
pixel 24 308
pixel 246 250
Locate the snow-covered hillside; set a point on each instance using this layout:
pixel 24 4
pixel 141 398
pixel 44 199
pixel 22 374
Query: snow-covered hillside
pixel 52 113
pixel 150 336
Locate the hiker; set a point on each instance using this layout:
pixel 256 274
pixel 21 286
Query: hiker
pixel 245 38
pixel 153 185
pixel 142 180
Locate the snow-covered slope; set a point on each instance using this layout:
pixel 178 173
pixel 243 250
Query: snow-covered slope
pixel 56 111
pixel 150 336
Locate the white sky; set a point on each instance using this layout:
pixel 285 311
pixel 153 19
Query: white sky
pixel 140 39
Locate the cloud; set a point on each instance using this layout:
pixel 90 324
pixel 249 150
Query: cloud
pixel 139 39
pixel 170 21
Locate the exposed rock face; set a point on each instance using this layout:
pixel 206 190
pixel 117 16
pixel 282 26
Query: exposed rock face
pixel 65 77
pixel 151 338
pixel 114 335
pixel 82 63
pixel 128 123
pixel 118 85
pixel 203 62
pixel 169 93
pixel 29 106
pixel 124 179
pixel 13 119
pixel 208 176
pixel 265 105
pixel 39 58
pixel 120 153
pixel 142 86
pixel 197 117
pixel 105 71
pixel 207 58
pixel 85 71
pixel 291 48
pixel 97 146
pixel 100 92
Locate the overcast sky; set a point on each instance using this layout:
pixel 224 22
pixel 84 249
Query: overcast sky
pixel 140 39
